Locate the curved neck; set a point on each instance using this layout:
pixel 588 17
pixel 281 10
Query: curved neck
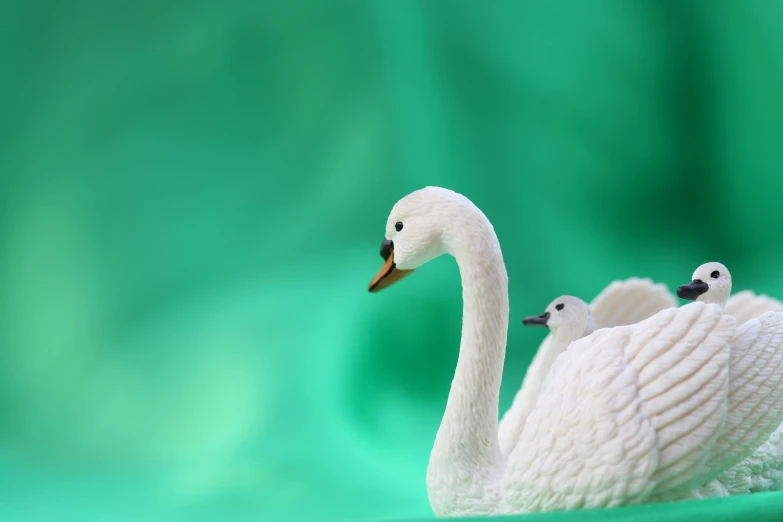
pixel 467 439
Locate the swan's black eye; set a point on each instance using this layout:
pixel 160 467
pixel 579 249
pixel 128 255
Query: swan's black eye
pixel 715 275
pixel 398 226
pixel 559 307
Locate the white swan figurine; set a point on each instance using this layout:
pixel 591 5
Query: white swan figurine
pixel 762 470
pixel 619 304
pixel 625 415
pixel 569 319
pixel 743 306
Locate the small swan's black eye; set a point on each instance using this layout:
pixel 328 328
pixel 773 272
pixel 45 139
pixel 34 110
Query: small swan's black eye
pixel 559 307
pixel 715 275
pixel 398 226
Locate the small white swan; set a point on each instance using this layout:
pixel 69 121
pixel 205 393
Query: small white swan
pixel 756 365
pixel 743 306
pixel 619 304
pixel 624 414
pixel 568 319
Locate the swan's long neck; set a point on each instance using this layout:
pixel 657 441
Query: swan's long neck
pixel 467 441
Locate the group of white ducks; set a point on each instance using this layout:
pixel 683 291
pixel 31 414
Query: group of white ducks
pixel 629 400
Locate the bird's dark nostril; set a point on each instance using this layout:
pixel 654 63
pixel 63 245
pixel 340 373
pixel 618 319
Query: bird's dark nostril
pixel 386 248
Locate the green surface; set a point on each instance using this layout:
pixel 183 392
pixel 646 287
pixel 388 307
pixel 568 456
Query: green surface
pixel 193 195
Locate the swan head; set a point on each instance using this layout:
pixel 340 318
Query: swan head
pixel 711 284
pixel 422 226
pixel 566 312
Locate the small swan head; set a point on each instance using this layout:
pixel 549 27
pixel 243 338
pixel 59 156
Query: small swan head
pixel 419 229
pixel 567 313
pixel 711 284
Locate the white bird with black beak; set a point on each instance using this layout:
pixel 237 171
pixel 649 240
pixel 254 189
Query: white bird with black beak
pixel 756 364
pixel 712 284
pixel 568 318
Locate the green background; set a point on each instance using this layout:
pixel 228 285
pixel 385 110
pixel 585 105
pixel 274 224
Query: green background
pixel 193 195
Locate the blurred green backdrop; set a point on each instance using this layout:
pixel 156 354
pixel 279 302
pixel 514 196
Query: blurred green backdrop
pixel 193 195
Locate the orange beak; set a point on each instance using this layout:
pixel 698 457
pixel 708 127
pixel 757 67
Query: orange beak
pixel 388 274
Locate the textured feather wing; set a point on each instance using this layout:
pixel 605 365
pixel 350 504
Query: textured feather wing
pixel 621 303
pixel 685 376
pixel 755 403
pixel 630 301
pixel 625 413
pixel 746 305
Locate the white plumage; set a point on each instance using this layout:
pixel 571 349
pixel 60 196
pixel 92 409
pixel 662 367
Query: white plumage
pixel 619 304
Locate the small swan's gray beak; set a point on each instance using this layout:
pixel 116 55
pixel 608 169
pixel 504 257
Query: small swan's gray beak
pixel 692 290
pixel 536 320
pixel 389 273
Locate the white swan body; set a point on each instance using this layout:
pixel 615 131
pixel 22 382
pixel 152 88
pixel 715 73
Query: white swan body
pixel 625 414
pixel 569 319
pixel 619 304
pixel 745 454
